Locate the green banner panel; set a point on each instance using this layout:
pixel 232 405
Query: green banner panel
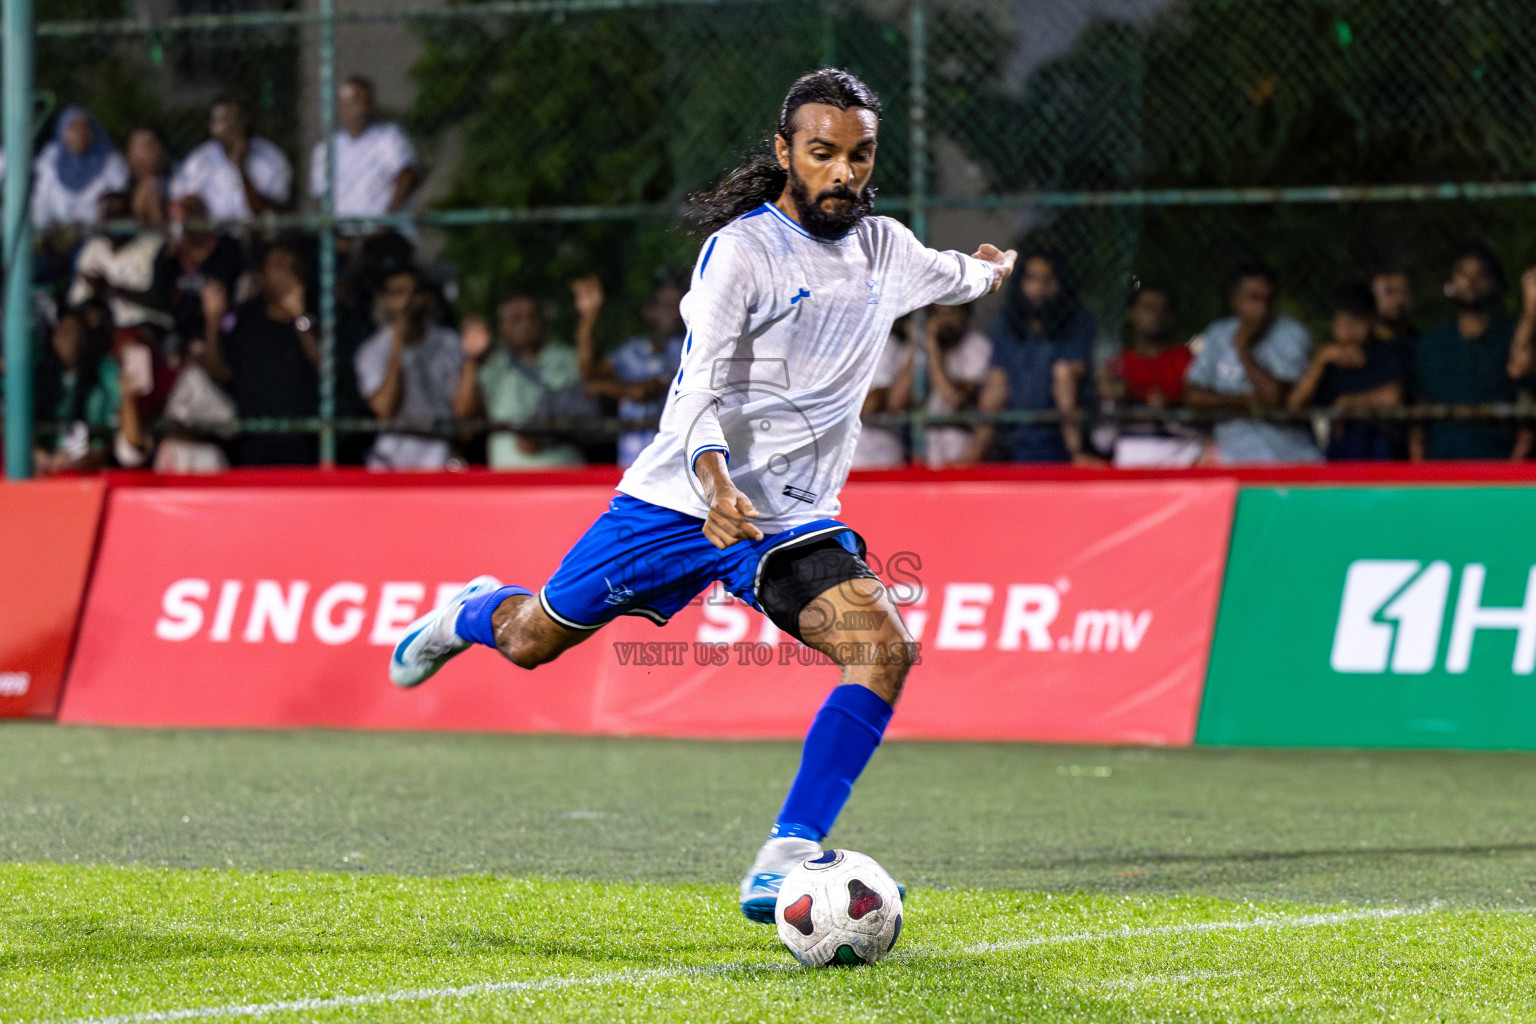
pixel 1377 617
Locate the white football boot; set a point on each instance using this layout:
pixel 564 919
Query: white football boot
pixel 777 858
pixel 431 640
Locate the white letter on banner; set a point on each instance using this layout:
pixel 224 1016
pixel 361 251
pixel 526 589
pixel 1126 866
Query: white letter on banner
pixel 183 616
pixel 725 621
pixel 397 607
pixel 1360 643
pixel 1472 616
pixel 962 623
pixel 326 629
pixel 224 617
pixel 1419 611
pixel 283 611
pixel 1030 609
pixel 915 616
pixel 1133 628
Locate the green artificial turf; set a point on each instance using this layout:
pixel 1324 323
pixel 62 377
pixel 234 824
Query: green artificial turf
pixel 1311 826
pixel 315 876
pixel 159 944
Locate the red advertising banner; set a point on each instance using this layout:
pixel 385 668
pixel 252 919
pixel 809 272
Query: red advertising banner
pixel 47 532
pixel 1075 612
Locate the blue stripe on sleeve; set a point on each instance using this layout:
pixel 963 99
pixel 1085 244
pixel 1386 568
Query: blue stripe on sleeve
pixel 709 448
pixel 707 253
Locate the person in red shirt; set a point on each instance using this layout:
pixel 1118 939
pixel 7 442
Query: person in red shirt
pixel 1151 369
pixel 1150 373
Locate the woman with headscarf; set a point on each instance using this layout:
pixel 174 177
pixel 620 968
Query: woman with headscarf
pixel 74 170
pixel 1042 352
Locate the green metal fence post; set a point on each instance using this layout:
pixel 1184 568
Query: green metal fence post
pixel 917 209
pixel 18 239
pixel 328 235
pixel 917 102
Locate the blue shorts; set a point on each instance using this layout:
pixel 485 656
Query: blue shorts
pixel 642 559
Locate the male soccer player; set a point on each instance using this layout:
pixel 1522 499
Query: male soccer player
pixel 792 299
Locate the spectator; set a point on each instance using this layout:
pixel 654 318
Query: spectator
pixel 1150 372
pixel 414 375
pixel 199 269
pixel 882 447
pixel 958 360
pixel 1522 358
pixel 81 390
pixel 1042 347
pixel 638 372
pixel 523 377
pixel 375 162
pixel 268 359
pixel 1465 361
pixel 1393 292
pixel 1357 370
pixel 1250 360
pixel 121 271
pixel 239 175
pixel 147 184
pixel 72 172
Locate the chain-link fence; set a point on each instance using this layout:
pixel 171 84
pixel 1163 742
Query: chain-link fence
pixel 1161 140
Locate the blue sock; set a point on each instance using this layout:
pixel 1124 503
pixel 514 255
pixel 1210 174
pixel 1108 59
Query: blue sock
pixel 474 621
pixel 842 738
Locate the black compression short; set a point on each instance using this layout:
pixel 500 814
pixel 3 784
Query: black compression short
pixel 797 575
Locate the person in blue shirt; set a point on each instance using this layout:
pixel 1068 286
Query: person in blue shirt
pixel 1042 351
pixel 636 373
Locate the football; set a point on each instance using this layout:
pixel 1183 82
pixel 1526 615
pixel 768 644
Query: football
pixel 840 909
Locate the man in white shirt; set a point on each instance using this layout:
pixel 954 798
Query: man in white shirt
pixel 239 175
pixel 375 162
pixel 794 294
pixel 1250 360
pixel 413 375
pixel 958 362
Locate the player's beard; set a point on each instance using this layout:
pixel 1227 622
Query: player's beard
pixel 817 221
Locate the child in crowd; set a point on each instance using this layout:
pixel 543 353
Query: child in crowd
pixel 1357 370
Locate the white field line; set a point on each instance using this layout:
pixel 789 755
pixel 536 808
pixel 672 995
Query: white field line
pixel 1300 921
pixel 249 1010
pixel 410 995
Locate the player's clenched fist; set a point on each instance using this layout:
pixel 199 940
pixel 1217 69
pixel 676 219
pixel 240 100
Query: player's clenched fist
pixel 730 511
pixel 728 520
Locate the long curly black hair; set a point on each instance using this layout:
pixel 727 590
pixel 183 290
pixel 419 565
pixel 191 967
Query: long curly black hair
pixel 760 179
pixel 1056 313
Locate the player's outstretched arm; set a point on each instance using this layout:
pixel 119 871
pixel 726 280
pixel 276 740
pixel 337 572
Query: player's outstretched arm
pixel 730 511
pixel 1002 263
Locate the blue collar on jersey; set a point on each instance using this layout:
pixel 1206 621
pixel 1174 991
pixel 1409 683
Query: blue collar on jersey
pixel 783 218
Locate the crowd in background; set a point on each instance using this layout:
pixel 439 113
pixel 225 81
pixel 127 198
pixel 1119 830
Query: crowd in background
pixel 188 319
pixel 1256 364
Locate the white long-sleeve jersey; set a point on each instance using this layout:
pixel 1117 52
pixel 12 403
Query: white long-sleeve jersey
pixel 784 336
